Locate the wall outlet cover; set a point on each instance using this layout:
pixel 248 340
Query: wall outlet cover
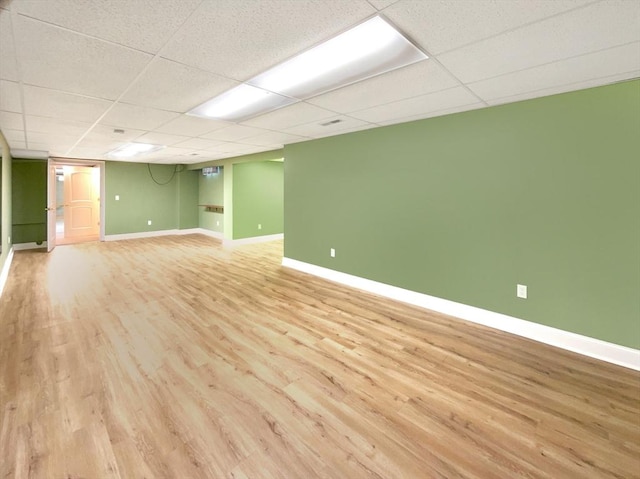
pixel 332 252
pixel 521 291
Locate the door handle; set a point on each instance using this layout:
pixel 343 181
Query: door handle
pixel 49 209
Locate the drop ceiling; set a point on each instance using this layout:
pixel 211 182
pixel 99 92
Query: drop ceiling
pixel 72 71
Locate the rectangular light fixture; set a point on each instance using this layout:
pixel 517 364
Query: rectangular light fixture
pixel 133 149
pixel 369 49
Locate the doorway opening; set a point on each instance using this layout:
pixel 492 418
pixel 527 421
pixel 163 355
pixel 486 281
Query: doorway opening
pixel 75 209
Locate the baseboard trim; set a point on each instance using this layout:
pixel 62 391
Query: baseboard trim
pixel 143 234
pixel 4 274
pixel 24 246
pixel 591 347
pixel 254 239
pixel 213 234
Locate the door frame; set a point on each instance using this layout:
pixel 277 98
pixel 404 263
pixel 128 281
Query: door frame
pixel 55 162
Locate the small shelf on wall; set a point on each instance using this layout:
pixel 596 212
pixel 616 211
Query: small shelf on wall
pixel 213 208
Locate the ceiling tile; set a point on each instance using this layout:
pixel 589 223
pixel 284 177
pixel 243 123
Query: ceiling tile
pixel 273 138
pixel 296 114
pixel 233 133
pixel 104 135
pixel 192 126
pixel 8 70
pixel 173 86
pixel 446 111
pixel 381 4
pixel 567 88
pixel 13 135
pixel 17 145
pixel 418 106
pixel 586 67
pixel 440 26
pixel 125 116
pixel 316 129
pixel 156 138
pixel 251 36
pixel 592 28
pixel 43 124
pixel 10 96
pixel 62 60
pixel 141 24
pixel 53 139
pixel 86 153
pixel 56 104
pixel 417 79
pixel 11 120
pixel 197 143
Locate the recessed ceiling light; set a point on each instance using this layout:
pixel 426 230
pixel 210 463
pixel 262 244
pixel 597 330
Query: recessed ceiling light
pixel 133 149
pixel 371 48
pixel 240 103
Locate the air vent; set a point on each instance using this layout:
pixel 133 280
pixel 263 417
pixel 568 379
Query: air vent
pixel 118 131
pixel 332 122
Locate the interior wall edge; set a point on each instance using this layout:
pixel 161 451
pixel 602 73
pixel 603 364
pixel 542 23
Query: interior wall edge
pixel 4 274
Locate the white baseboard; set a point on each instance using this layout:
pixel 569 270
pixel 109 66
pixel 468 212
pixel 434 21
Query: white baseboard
pixel 143 234
pixel 254 239
pixel 24 246
pixel 4 274
pixel 210 233
pixel 594 348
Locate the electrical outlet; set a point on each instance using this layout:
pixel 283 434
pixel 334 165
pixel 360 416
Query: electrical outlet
pixel 521 291
pixel 259 226
pixel 332 252
pixel 117 197
pixel 149 222
pixel 217 223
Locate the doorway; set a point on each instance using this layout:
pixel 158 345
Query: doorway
pixel 76 212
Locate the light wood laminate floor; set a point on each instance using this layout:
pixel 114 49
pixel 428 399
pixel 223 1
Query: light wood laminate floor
pixel 175 358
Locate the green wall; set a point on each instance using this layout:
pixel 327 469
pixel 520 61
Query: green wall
pixel 211 192
pixel 29 201
pixel 5 201
pixel 168 206
pixel 544 193
pixel 258 199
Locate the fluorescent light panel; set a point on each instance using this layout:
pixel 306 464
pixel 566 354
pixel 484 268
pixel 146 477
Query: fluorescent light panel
pixel 369 49
pixel 133 149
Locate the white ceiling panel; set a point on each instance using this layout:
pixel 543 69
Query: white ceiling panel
pixel 296 114
pixel 418 106
pixel 237 148
pixel 62 60
pixel 156 138
pixel 125 116
pixel 104 135
pixel 8 70
pixel 441 26
pixel 13 135
pixel 86 153
pixel 60 126
pixel 173 86
pixel 11 120
pixel 56 104
pixel 273 138
pixel 417 79
pixel 198 143
pixel 233 133
pixel 380 4
pixel 586 67
pixel 566 88
pixel 10 96
pixel 192 126
pixel 139 24
pixel 318 129
pixel 446 111
pixel 274 29
pixel 592 28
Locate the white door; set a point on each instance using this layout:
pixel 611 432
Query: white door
pixel 81 202
pixel 51 207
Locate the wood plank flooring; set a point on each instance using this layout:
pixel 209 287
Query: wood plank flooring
pixel 173 357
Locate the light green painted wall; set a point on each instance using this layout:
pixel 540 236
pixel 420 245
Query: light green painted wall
pixel 211 192
pixel 5 199
pixel 188 199
pixel 543 192
pixel 29 200
pixel 140 198
pixel 258 198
